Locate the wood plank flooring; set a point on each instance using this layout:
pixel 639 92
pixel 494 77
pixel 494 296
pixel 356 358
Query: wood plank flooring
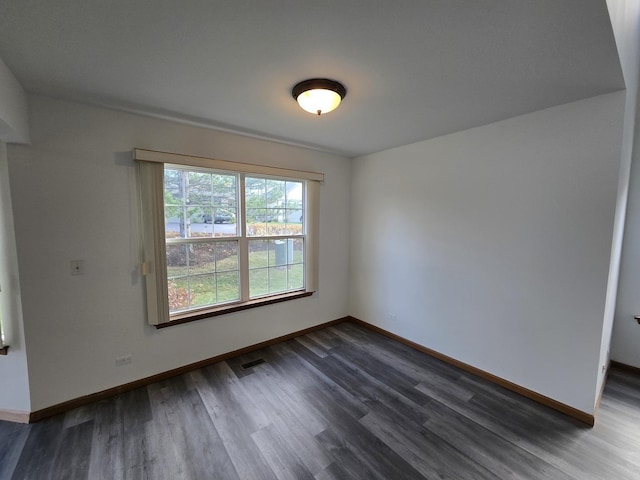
pixel 340 403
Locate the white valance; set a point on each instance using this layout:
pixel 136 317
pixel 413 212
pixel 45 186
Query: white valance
pixel 179 159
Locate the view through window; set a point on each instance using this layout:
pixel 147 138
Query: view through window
pixel 231 237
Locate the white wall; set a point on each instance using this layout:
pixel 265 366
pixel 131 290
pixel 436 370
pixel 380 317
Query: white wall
pixel 14 125
pixel 13 367
pixel 74 197
pixel 492 245
pixel 625 18
pixel 625 344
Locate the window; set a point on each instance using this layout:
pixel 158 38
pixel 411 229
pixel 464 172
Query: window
pixel 275 231
pixel 219 236
pixel 205 232
pixel 202 238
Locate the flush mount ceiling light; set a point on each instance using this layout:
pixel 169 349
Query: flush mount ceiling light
pixel 319 95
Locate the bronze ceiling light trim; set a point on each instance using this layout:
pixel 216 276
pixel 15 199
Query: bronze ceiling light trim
pixel 319 95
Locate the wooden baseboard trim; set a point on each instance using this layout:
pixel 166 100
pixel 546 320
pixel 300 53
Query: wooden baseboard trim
pixel 110 392
pixel 537 397
pixel 624 366
pixel 14 416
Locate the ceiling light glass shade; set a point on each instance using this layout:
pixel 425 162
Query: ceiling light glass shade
pixel 319 101
pixel 319 95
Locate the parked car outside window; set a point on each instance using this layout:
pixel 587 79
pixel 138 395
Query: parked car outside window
pixel 221 216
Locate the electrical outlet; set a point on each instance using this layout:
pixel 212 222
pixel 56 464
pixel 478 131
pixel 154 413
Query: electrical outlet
pixel 77 267
pixel 123 360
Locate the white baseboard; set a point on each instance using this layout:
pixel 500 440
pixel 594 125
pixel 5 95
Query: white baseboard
pixel 14 416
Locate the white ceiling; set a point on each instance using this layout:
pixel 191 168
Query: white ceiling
pixel 413 69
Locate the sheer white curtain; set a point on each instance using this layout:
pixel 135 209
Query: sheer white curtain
pixel 154 264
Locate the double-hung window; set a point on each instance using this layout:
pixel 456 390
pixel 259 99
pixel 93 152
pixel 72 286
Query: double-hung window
pixel 202 238
pixel 221 236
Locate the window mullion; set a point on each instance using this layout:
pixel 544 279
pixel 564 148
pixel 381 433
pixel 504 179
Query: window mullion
pixel 244 242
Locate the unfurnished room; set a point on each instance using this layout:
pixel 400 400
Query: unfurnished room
pixel 320 239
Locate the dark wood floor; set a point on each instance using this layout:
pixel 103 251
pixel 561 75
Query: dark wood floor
pixel 340 403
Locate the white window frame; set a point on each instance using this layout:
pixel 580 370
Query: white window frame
pixel 153 264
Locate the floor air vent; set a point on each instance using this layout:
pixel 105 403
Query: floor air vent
pixel 253 363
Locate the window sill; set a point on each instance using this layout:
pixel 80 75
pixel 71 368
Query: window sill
pixel 4 350
pixel 214 312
